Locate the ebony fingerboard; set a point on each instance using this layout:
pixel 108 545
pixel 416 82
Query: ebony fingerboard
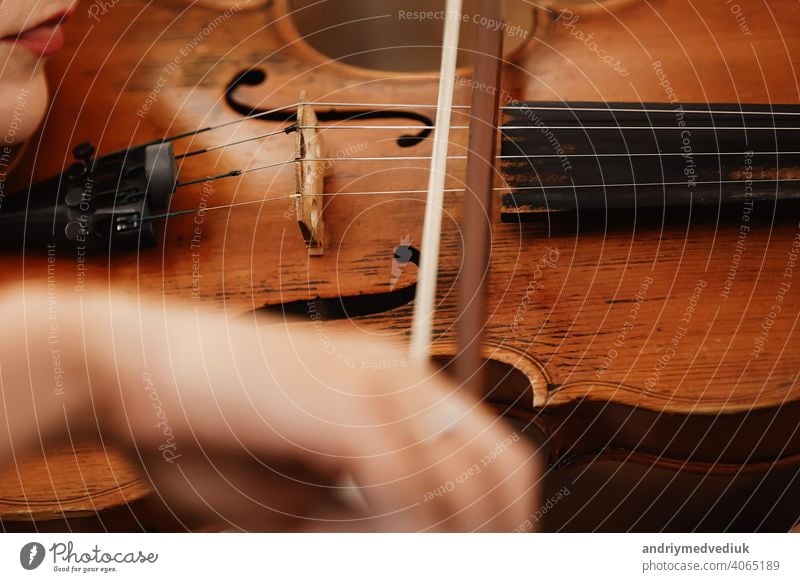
pixel 595 156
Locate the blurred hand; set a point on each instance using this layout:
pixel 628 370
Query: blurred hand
pixel 261 427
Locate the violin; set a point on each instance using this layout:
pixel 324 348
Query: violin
pixel 640 277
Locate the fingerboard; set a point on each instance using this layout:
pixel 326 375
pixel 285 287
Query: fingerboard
pixel 575 156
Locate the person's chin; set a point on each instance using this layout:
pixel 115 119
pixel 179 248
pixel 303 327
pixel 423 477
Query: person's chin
pixel 23 101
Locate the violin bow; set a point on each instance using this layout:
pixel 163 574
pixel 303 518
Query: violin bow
pixel 477 198
pixel 479 184
pixel 425 299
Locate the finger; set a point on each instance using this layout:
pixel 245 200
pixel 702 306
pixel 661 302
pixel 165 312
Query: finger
pixel 486 467
pixel 438 455
pixel 451 458
pixel 513 468
pixel 394 466
pixel 509 470
pixel 392 481
pixel 477 485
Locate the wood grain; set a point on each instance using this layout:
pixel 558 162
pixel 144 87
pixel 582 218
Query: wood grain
pixel 619 314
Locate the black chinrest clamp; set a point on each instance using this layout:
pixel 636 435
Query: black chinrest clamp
pixel 98 204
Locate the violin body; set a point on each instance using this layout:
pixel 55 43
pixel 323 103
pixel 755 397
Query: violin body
pixel 665 338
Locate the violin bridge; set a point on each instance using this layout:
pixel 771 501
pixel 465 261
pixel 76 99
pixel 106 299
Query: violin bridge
pixel 310 173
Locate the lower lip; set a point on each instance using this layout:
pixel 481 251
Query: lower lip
pixel 42 41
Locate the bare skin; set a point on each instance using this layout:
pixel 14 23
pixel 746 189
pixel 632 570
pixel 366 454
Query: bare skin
pixel 23 88
pixel 236 398
pixel 250 425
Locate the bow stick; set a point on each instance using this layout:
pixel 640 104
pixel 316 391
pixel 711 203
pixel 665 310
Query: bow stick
pixel 477 199
pixel 424 303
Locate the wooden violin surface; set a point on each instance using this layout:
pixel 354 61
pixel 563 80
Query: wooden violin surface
pixel 662 337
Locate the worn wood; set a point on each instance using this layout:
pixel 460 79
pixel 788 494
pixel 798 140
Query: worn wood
pixel 561 300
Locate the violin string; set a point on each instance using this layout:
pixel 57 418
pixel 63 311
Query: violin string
pixel 208 128
pixel 537 156
pixel 232 174
pixel 197 152
pixel 243 171
pixel 240 172
pixel 294 127
pixel 213 208
pixel 648 184
pixel 290 128
pixel 556 108
pixel 552 127
pixel 521 107
pixel 568 186
pixel 458 190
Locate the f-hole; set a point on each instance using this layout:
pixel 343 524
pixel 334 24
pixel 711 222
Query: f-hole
pixel 258 76
pixel 349 306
